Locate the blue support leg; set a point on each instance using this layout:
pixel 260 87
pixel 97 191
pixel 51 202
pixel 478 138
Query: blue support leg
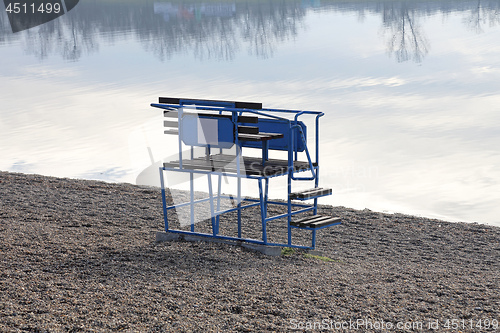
pixel 164 199
pixel 191 190
pixel 316 183
pixel 219 189
pixel 238 194
pixel 211 197
pixel 239 207
pixel 289 184
pixel 289 209
pixel 266 196
pixel 262 212
pixel 265 152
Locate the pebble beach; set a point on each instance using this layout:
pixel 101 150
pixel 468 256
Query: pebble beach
pixel 81 256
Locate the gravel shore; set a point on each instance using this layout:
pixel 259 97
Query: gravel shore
pixel 80 256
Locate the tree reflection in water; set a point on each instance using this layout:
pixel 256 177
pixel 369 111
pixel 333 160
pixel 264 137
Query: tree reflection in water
pixel 220 30
pixel 407 41
pixel 482 14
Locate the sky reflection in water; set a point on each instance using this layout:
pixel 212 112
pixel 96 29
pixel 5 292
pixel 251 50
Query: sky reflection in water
pixel 410 91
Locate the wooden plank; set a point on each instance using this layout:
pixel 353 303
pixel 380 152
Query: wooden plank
pixel 248 168
pixel 299 165
pixel 312 190
pixel 213 115
pixel 168 100
pixel 259 137
pixel 272 166
pixel 251 165
pixel 310 217
pixel 332 220
pixel 207 102
pixel 174 114
pixel 308 220
pixel 250 137
pixel 170 114
pixel 173 124
pixel 273 135
pixel 248 129
pixel 311 193
pixel 248 119
pixel 195 166
pixel 248 105
pixel 225 167
pixel 316 221
pixel 187 165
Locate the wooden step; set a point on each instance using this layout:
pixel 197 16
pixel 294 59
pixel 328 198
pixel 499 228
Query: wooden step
pixel 311 193
pixel 316 221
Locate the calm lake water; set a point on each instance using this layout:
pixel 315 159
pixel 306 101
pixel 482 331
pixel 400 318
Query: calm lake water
pixel 411 91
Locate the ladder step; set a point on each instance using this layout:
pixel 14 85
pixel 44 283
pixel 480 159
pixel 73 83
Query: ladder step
pixel 311 193
pixel 316 221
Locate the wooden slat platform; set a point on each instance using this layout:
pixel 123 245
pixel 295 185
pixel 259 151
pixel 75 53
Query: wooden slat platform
pixel 227 164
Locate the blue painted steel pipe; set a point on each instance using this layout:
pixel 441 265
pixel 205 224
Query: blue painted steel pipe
pixel 228 109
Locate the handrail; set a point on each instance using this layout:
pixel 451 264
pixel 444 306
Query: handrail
pixel 317 136
pixel 233 109
pixel 308 158
pixel 205 108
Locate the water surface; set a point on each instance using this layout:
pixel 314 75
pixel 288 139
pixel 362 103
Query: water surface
pixel 410 91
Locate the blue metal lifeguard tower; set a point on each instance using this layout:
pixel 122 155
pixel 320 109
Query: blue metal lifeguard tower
pixel 220 126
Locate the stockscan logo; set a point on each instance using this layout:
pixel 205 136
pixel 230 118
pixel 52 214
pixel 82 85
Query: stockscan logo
pixel 30 13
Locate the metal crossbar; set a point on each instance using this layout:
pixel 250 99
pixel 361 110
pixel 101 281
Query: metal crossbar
pixel 234 125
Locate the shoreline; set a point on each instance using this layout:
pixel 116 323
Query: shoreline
pixel 80 255
pixel 429 216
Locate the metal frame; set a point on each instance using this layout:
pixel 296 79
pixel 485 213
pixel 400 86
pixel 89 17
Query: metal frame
pixel 218 109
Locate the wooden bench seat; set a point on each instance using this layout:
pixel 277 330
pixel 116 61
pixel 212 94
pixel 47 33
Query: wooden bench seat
pixel 227 164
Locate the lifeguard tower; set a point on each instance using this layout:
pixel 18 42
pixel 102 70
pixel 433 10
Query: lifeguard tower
pixel 224 130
